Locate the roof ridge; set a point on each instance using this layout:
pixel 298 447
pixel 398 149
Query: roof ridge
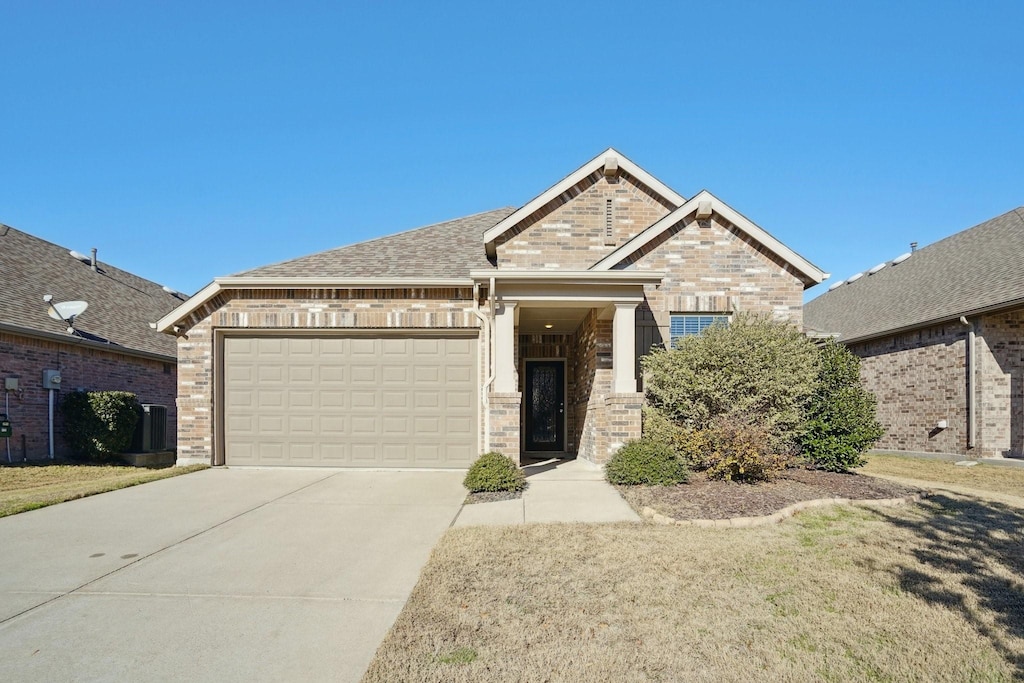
pixel 105 264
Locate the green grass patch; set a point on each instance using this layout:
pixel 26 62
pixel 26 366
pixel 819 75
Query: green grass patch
pixel 32 486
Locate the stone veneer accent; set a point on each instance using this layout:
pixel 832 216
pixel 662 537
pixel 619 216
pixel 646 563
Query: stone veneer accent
pixel 301 310
pixel 920 377
pixel 569 233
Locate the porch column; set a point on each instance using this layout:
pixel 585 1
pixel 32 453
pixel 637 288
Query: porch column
pixel 624 348
pixel 505 348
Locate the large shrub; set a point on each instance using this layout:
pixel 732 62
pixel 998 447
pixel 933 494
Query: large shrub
pixel 646 462
pixel 841 420
pixel 755 366
pixel 99 424
pixel 689 445
pixel 742 449
pixel 494 472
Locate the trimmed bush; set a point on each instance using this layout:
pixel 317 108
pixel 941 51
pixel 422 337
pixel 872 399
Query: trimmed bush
pixel 743 450
pixel 99 424
pixel 646 462
pixel 841 415
pixel 755 366
pixel 494 472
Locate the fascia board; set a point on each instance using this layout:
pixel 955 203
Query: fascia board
pixel 613 277
pixel 576 176
pixel 193 304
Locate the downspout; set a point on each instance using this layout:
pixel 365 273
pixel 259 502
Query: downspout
pixel 486 326
pixel 971 417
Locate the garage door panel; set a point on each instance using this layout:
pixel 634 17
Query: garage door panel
pixel 334 426
pixel 350 401
pixel 361 398
pixel 270 398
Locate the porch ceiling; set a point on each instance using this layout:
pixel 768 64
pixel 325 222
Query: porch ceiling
pixel 534 320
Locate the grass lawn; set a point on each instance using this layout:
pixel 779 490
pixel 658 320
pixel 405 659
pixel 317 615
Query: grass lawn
pixel 27 487
pixel 927 592
pixel 1008 480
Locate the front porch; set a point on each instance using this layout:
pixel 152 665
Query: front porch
pixel 565 378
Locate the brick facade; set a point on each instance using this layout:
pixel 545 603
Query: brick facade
pixel 81 367
pixel 921 377
pixel 571 232
pixel 716 269
pixel 321 309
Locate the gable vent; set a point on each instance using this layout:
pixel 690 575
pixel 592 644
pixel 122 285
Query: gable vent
pixel 609 223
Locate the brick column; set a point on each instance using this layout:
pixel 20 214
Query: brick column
pixel 504 418
pixel 622 420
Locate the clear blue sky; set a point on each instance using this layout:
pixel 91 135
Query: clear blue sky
pixel 188 140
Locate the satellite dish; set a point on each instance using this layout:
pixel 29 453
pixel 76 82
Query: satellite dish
pixel 67 310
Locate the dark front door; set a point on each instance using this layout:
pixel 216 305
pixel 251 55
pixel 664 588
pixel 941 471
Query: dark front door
pixel 545 405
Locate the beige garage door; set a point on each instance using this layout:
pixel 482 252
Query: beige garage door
pixel 350 401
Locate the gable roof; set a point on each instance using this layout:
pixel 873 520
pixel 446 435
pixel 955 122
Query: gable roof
pixel 812 274
pixel 975 270
pixel 448 249
pixel 565 184
pixel 121 305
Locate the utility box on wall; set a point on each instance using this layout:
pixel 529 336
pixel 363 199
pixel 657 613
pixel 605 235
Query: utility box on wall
pixel 5 426
pixel 51 379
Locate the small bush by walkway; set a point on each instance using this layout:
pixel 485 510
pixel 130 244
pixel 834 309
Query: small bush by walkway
pixel 27 487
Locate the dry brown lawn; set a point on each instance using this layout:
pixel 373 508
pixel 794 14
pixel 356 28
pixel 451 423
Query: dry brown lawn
pixel 928 592
pixel 1008 480
pixel 27 487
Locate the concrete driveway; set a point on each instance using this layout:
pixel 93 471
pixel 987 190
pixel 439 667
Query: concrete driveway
pixel 220 575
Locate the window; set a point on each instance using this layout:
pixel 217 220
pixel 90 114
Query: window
pixel 682 325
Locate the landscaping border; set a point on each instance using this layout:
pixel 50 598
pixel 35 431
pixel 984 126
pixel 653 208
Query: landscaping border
pixel 784 513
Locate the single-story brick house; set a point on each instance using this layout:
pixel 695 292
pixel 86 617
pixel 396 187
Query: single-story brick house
pixel 112 346
pixel 940 332
pixel 515 330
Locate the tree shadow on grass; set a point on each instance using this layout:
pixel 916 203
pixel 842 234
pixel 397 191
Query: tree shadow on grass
pixel 970 558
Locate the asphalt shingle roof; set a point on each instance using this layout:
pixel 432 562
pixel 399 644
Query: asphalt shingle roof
pixel 979 268
pixel 443 250
pixel 121 305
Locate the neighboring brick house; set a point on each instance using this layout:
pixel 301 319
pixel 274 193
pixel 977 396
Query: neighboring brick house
pixel 516 330
pixel 113 346
pixel 941 338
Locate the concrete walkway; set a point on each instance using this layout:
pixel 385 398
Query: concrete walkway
pixel 221 575
pixel 557 491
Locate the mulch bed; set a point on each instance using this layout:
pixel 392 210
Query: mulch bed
pixel 702 498
pixel 491 496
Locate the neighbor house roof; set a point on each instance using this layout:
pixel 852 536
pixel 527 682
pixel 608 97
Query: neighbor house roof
pixel 121 305
pixel 973 271
pixel 443 250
